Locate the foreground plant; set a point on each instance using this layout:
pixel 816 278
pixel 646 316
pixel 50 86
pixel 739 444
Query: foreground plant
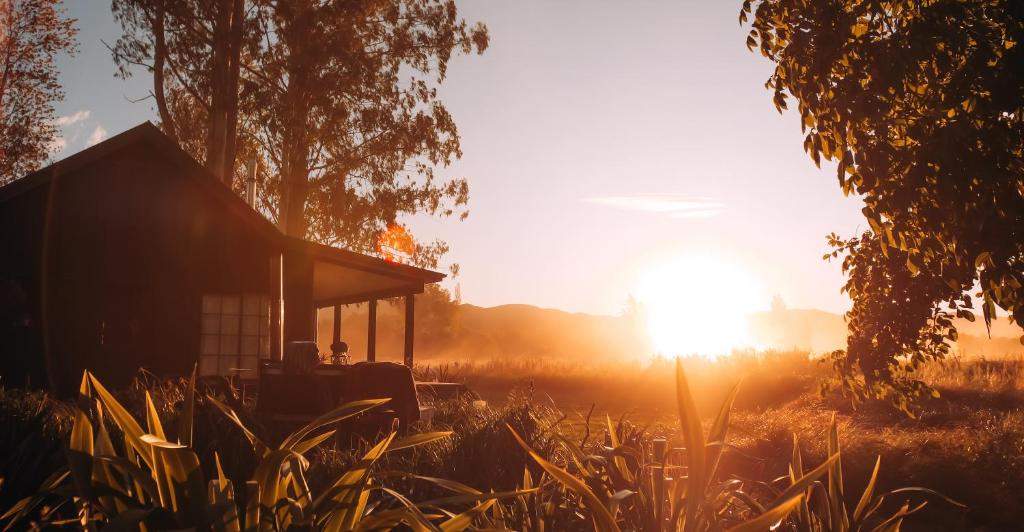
pixel 623 488
pixel 153 484
pixel 824 505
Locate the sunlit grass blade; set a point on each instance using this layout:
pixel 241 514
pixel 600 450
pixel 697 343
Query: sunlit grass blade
pixel 450 485
pixel 303 446
pixel 768 519
pixel 465 519
pixel 102 472
pixel 222 501
pixel 917 489
pixel 840 519
pixel 188 408
pixel 80 454
pixel 343 412
pixel 693 435
pixel 620 462
pixel 261 449
pixel 603 519
pixel 892 524
pixel 143 483
pixel 153 419
pixel 800 486
pixel 268 476
pixel 474 497
pixel 577 455
pixel 719 430
pixel 869 490
pixel 181 473
pixel 343 501
pixel 132 430
pixel 422 438
pixel 797 461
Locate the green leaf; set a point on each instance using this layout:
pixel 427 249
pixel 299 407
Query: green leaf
pixel 603 519
pixel 188 408
pixel 261 449
pixel 343 412
pixel 153 419
pixel 865 497
pixel 422 438
pixel 132 431
pixel 768 520
pixel 693 435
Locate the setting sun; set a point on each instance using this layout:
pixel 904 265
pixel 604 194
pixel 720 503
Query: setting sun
pixel 698 305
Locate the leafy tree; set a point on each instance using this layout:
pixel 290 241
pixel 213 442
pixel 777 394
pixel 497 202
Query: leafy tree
pixel 338 100
pixel 193 49
pixel 349 116
pixel 32 34
pixel 921 107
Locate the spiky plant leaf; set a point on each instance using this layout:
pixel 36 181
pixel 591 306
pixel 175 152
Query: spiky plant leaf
pixel 603 519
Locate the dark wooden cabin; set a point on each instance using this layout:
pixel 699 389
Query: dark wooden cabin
pixel 130 255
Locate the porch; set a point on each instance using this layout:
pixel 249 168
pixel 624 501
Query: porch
pixel 317 277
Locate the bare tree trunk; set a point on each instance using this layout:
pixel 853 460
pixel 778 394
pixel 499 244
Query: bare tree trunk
pixel 295 153
pixel 218 78
pixel 159 62
pixel 232 89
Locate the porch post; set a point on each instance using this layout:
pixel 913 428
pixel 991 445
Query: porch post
pixel 410 326
pixel 276 307
pixel 336 337
pixel 371 333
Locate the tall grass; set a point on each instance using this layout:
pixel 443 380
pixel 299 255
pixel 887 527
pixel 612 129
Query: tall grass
pixel 125 473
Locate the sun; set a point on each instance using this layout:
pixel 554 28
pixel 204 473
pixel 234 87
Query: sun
pixel 698 306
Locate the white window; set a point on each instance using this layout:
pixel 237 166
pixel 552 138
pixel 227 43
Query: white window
pixel 234 335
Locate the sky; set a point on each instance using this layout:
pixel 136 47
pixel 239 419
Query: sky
pixel 602 141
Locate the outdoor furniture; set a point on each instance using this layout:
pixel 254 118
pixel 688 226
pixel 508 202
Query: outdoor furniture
pixel 297 390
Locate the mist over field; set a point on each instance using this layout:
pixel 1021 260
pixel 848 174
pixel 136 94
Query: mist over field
pixel 474 333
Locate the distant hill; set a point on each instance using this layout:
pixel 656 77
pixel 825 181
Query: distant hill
pixel 506 331
pixel 525 331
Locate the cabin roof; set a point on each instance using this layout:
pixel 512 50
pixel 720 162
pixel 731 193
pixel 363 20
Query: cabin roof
pixel 366 275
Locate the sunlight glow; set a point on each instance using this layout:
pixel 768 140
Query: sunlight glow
pixel 698 306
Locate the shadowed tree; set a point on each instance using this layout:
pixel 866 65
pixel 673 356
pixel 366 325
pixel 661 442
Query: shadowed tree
pixel 193 49
pixel 338 100
pixel 921 107
pixel 32 34
pixel 349 117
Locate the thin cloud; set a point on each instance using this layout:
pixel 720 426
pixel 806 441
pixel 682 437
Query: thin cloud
pixel 63 121
pixel 669 204
pixel 96 136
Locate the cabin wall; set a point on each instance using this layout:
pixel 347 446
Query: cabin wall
pixel 132 247
pixel 21 243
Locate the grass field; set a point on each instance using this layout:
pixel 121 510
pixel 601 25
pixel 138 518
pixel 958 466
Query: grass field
pixel 967 444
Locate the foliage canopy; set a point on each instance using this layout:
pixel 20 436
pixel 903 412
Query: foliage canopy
pixel 337 101
pixel 920 105
pixel 32 34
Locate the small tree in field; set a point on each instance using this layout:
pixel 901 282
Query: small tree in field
pixel 32 34
pixel 921 107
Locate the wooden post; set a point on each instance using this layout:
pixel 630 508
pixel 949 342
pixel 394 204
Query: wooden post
pixel 410 326
pixel 371 333
pixel 276 308
pixel 336 337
